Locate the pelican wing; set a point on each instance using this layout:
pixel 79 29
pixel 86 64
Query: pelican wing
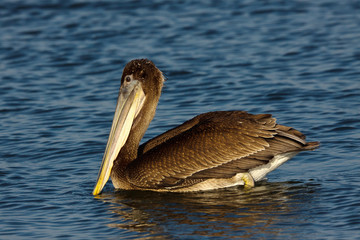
pixel 211 145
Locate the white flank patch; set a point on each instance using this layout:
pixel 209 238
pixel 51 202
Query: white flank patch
pixel 260 172
pixel 216 183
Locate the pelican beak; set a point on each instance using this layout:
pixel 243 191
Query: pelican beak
pixel 129 104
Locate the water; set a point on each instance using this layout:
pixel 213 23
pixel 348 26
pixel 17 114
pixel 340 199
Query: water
pixel 60 68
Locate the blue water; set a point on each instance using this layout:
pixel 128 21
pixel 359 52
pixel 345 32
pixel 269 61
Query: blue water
pixel 60 67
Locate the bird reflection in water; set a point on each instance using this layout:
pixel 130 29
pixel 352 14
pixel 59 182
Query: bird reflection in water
pixel 233 212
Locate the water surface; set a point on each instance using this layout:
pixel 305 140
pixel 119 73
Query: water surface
pixel 60 68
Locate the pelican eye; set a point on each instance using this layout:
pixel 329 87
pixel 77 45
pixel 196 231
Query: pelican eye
pixel 128 79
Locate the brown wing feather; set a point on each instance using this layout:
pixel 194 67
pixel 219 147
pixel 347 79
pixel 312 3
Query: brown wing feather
pixel 213 140
pixel 277 145
pixel 212 145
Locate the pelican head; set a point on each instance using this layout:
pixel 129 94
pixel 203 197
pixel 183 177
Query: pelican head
pixel 140 90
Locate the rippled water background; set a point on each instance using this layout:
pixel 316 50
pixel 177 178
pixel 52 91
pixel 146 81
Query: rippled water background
pixel 60 67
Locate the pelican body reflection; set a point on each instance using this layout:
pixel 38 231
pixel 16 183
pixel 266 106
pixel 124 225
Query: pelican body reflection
pixel 224 213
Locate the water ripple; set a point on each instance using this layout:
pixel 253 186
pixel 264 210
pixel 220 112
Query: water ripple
pixel 61 63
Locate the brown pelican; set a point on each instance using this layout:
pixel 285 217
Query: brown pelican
pixel 213 150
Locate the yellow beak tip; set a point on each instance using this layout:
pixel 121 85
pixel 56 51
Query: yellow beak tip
pixel 97 190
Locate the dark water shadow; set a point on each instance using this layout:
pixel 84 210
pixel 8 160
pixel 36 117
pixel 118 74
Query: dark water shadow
pixel 268 210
